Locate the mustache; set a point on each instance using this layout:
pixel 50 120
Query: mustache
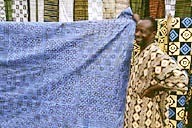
pixel 138 37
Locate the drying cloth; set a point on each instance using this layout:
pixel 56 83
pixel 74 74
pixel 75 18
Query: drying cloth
pixel 156 8
pixel 2 11
pixel 140 7
pixel 80 10
pixel 70 75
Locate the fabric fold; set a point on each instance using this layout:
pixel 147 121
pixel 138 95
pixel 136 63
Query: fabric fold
pixel 65 75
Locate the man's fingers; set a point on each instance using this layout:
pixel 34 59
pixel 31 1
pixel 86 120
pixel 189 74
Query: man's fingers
pixel 136 17
pixel 169 22
pixel 149 94
pixel 143 94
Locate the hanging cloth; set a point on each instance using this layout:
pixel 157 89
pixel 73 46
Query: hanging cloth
pixel 51 10
pixel 95 9
pixel 19 10
pixel 80 10
pixel 156 8
pixel 2 11
pixel 66 10
pixel 8 9
pixel 140 7
pixel 183 8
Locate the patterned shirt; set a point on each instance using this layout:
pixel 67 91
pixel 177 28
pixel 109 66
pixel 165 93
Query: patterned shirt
pixel 152 67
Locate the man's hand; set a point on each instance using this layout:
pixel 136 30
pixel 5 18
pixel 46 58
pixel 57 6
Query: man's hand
pixel 148 93
pixel 136 17
pixel 152 91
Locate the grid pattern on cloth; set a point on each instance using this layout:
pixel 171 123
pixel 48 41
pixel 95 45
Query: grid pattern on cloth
pixel 20 10
pixel 179 47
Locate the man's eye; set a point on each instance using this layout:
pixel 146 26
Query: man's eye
pixel 142 31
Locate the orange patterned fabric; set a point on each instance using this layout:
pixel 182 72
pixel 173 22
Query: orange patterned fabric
pixel 157 8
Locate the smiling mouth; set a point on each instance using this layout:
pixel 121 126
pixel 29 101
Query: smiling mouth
pixel 138 39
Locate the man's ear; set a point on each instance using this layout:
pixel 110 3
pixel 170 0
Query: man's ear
pixel 154 33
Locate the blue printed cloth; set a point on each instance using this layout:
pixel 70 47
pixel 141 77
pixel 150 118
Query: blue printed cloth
pixel 65 75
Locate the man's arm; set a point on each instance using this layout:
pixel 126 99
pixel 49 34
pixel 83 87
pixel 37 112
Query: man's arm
pixel 171 77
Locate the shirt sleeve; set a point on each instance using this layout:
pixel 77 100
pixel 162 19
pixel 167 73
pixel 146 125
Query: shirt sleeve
pixel 168 74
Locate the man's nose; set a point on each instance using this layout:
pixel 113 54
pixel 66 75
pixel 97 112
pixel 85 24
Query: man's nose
pixel 137 33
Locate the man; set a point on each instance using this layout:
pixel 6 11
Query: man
pixel 153 74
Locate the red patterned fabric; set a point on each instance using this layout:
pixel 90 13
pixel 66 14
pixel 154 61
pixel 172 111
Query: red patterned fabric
pixel 157 8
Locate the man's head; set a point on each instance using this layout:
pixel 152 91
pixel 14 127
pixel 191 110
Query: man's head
pixel 145 31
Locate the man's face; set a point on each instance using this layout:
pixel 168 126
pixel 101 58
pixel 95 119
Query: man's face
pixel 143 32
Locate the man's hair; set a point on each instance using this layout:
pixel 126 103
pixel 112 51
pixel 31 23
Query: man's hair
pixel 153 23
